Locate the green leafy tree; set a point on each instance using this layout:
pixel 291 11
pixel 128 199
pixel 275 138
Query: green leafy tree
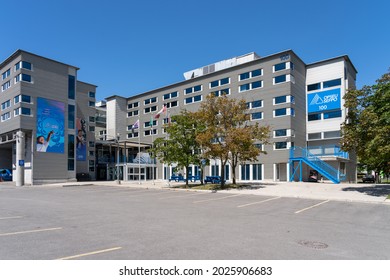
pixel 366 130
pixel 227 134
pixel 180 145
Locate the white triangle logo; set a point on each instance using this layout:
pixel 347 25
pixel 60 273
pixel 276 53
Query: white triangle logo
pixel 316 100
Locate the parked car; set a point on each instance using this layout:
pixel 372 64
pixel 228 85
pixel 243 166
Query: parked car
pixel 5 174
pixel 212 179
pixel 368 178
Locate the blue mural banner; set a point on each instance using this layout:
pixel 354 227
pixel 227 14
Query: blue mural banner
pixel 81 140
pixel 50 126
pixel 324 100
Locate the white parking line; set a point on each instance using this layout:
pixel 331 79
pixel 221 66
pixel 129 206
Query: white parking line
pixel 29 231
pixel 315 205
pixel 212 199
pixel 12 217
pixel 259 202
pixel 174 196
pixel 90 253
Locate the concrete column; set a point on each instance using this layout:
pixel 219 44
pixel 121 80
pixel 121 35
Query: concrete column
pixel 20 151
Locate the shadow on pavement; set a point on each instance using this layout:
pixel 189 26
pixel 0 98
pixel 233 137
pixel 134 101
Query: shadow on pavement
pixel 374 190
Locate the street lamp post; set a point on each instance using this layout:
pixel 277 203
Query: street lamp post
pixel 117 159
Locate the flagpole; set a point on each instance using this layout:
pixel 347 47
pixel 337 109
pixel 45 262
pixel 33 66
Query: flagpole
pixel 151 131
pixel 139 154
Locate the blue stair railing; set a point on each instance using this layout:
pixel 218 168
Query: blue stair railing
pixel 302 154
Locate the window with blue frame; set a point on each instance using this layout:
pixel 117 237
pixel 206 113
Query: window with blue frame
pixel 257 116
pixel 280 132
pixel 257 172
pixel 245 172
pixel 280 145
pixel 280 99
pixel 26 111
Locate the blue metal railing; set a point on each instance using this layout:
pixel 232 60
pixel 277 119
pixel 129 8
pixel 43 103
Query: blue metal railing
pixel 328 151
pixel 322 167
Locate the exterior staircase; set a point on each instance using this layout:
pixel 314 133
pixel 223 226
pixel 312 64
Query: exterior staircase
pixel 301 155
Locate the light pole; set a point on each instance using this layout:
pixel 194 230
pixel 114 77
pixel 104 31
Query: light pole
pixel 118 136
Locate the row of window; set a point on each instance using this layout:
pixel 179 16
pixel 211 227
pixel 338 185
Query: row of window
pixel 323 85
pixel 276 113
pixel 324 135
pixel 324 115
pixel 19 98
pixel 20 65
pixel 17 112
pixel 225 81
pixel 20 77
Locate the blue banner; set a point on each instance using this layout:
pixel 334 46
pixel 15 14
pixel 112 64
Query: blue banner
pixel 324 100
pixel 81 139
pixel 50 126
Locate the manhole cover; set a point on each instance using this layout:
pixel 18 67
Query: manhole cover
pixel 313 244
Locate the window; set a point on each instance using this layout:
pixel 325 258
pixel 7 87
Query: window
pixel 314 136
pixel 91 119
pixel 280 132
pixel 250 86
pixel 254 104
pixel 280 145
pixel 132 113
pixel 332 134
pixel 280 112
pixel 280 79
pixel 220 82
pixel 221 92
pixel 332 115
pixel 71 116
pixel 257 116
pixel 150 132
pixel 257 171
pixel 6 85
pixel 5 116
pixel 245 172
pixel 147 124
pixel 91 94
pixel 23 77
pixel 26 111
pixel 251 74
pixel 71 150
pixel 280 66
pixel 171 95
pixel 91 103
pixel 91 164
pixel 26 98
pixel 280 99
pixel 91 128
pixel 150 109
pixel 5 104
pixel 24 65
pixel 193 99
pixel 132 135
pixel 193 89
pixel 132 105
pixel 150 100
pixel 6 74
pixel 172 104
pixel 315 86
pixel 91 144
pixel 314 117
pixel 331 83
pixel 71 87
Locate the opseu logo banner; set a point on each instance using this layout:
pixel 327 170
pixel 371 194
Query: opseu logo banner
pixel 324 101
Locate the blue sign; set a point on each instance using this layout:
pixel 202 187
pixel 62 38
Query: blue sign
pixel 324 100
pixel 21 162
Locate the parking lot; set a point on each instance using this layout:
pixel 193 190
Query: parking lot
pixel 122 222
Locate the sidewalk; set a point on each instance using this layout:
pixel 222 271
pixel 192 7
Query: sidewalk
pixel 368 193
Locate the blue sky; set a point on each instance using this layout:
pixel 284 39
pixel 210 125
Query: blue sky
pixel 129 47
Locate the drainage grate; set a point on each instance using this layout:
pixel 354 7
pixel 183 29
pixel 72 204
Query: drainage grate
pixel 313 244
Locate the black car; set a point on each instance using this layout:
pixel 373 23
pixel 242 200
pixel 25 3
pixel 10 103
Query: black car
pixel 368 179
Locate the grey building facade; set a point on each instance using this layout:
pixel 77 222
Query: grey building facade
pixel 42 104
pixel 279 92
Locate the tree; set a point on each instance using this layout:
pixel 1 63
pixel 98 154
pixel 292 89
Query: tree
pixel 180 146
pixel 227 134
pixel 366 130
